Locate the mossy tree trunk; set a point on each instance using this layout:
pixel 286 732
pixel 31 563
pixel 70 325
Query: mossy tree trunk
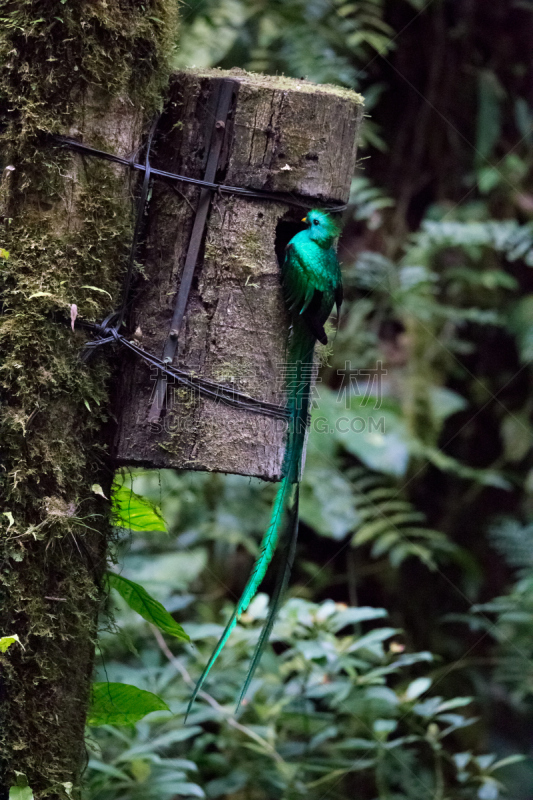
pixel 94 68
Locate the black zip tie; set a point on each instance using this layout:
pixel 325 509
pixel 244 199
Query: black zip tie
pixel 216 391
pixel 222 101
pixel 258 194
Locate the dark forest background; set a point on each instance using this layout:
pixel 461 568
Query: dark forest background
pixel 401 665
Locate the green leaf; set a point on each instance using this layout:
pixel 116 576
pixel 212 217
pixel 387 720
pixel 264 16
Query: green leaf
pixel 7 641
pixel 20 793
pixel 488 178
pixel 369 428
pixel 446 463
pixel 444 402
pixel 517 436
pixel 521 325
pixel 144 604
pixel 108 769
pixel 373 640
pixel 489 790
pixel 185 789
pixel 417 688
pixel 354 616
pixel 121 704
pixel 326 498
pixel 508 760
pixel 134 512
pixel 21 790
pixel 4 253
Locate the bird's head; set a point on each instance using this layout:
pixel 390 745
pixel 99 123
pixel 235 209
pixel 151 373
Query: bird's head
pixel 323 229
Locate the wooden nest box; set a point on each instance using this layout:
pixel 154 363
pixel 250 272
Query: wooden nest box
pixel 288 137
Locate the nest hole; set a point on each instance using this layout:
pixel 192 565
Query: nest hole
pixel 285 230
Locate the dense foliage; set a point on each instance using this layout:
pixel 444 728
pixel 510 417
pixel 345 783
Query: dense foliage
pixel 417 489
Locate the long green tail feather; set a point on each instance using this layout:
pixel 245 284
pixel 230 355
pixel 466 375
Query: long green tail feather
pixel 268 546
pixel 289 552
pixel 301 355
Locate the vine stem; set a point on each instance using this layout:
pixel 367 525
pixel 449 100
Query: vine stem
pixel 381 782
pixel 232 722
pixel 439 775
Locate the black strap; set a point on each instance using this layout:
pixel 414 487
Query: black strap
pixel 258 194
pixel 223 102
pixel 216 391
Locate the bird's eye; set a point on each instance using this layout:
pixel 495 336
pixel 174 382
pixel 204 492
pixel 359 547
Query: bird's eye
pixel 315 222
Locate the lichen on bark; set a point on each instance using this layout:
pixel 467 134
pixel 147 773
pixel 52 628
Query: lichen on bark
pixel 96 67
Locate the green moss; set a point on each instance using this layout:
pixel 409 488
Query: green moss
pixel 228 372
pixel 253 253
pixel 281 82
pixel 56 57
pixel 244 256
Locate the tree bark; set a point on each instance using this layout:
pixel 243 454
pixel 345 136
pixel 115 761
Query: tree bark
pixel 95 70
pixel 282 135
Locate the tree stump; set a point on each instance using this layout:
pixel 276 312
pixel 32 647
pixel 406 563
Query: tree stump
pixel 281 135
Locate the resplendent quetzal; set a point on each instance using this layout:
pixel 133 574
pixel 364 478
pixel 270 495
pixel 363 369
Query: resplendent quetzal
pixel 312 285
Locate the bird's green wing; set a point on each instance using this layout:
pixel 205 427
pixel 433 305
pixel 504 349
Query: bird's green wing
pixel 309 276
pixel 300 280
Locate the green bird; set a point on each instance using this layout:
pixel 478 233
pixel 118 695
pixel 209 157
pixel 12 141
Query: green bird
pixel 312 285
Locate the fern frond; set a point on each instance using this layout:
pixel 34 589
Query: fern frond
pixel 391 524
pixel 514 611
pixel 513 541
pixel 507 237
pixel 367 199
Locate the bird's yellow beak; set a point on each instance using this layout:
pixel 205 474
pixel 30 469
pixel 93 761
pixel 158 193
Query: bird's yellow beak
pixel 304 219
